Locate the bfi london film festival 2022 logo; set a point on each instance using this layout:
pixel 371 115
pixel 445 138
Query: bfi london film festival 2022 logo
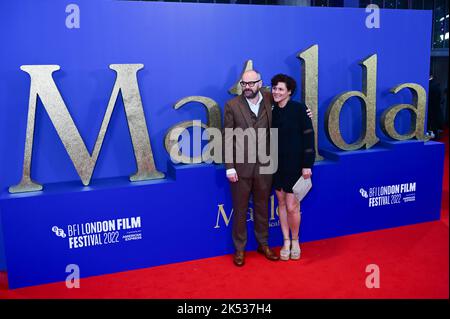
pixel 107 232
pixel 390 194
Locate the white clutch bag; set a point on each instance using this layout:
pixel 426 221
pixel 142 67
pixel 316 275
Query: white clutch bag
pixel 302 187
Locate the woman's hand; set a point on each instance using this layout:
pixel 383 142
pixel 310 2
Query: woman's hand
pixel 309 113
pixel 306 173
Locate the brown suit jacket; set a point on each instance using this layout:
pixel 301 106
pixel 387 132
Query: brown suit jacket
pixel 237 114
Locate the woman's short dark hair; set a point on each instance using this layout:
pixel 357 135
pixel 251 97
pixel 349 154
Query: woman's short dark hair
pixel 291 85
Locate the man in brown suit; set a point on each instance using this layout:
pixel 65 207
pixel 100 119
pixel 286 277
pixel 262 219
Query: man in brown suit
pixel 250 112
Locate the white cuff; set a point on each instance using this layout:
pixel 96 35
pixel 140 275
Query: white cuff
pixel 231 171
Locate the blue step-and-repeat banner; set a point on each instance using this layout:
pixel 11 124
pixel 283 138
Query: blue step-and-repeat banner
pixel 188 50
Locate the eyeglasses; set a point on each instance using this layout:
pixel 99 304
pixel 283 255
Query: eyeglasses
pixel 250 83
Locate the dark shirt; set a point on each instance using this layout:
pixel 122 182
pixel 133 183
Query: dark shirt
pixel 295 137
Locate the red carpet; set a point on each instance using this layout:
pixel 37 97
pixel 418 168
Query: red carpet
pixel 413 263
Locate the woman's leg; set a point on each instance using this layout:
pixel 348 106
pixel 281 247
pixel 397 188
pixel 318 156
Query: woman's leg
pixel 294 219
pixel 282 214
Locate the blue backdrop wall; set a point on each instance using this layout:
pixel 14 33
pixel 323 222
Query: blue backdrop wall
pixel 192 49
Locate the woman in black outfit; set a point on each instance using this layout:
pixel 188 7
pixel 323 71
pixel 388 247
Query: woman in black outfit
pixel 295 158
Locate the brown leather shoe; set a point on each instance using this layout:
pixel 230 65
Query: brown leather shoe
pixel 239 258
pixel 269 253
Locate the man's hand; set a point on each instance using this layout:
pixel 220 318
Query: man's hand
pixel 232 177
pixel 309 112
pixel 306 173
